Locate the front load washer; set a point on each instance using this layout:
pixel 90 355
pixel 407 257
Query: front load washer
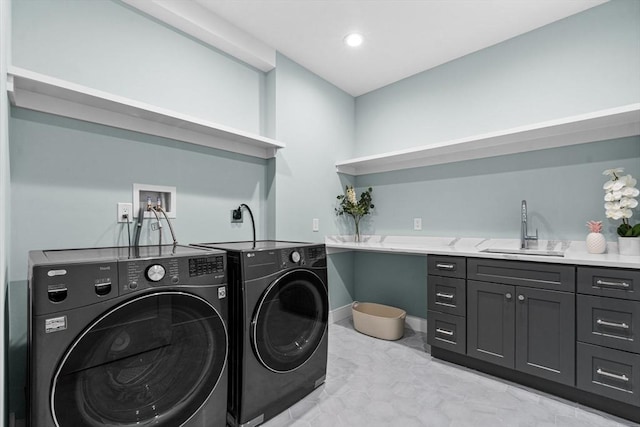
pixel 278 299
pixel 127 337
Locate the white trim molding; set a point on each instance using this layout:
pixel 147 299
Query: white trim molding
pixel 39 92
pixel 201 23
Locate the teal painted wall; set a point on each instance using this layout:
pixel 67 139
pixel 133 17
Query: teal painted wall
pixel 481 198
pixel 586 62
pixel 106 45
pixel 67 177
pixel 390 279
pixel 315 119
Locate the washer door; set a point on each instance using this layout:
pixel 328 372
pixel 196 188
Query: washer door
pixel 153 360
pixel 290 320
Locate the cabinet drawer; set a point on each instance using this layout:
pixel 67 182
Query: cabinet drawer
pixel 449 266
pixel 523 273
pixel 609 282
pixel 609 322
pixel 446 331
pixel 607 372
pixel 446 295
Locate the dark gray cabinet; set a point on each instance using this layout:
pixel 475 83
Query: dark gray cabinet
pixel 608 348
pixel 527 329
pixel 570 330
pixel 446 302
pixel 491 322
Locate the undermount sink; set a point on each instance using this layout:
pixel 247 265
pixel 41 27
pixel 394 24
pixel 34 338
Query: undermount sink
pixel 535 252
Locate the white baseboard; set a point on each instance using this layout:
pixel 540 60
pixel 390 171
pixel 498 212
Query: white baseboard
pixel 418 324
pixel 340 313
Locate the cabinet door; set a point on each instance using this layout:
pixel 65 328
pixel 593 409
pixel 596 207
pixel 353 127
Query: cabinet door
pixel 545 334
pixel 490 322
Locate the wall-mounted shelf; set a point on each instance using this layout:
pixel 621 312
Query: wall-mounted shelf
pixel 601 125
pixel 38 92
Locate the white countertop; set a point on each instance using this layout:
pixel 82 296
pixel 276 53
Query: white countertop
pixel 575 252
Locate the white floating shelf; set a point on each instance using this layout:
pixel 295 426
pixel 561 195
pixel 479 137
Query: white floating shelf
pixel 38 92
pixel 601 125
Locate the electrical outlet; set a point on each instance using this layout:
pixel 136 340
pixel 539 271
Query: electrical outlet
pixel 316 224
pixel 417 223
pixel 236 215
pixel 125 209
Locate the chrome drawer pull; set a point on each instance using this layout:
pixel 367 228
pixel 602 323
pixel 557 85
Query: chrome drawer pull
pixel 615 284
pixel 445 266
pixel 446 296
pixel 444 331
pixel 610 375
pixel 612 324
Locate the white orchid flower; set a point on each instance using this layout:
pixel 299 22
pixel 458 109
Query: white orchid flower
pixel 608 197
pixel 617 195
pixel 626 213
pixel 618 185
pixel 632 203
pixel 613 172
pixel 630 192
pixel 614 214
pixel 607 185
pixel 629 181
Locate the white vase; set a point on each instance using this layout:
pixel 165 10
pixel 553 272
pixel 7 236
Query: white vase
pixel 629 246
pixel 596 243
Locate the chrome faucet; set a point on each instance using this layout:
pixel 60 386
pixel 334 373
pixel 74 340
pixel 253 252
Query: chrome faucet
pixel 524 234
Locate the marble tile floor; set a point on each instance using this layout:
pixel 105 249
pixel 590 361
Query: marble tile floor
pixel 372 382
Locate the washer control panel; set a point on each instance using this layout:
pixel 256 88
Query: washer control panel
pixel 141 274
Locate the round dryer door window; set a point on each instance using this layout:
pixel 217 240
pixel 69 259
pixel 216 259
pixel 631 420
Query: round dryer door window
pixel 153 360
pixel 290 320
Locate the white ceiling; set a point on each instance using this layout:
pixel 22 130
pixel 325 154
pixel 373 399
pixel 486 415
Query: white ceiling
pixel 402 37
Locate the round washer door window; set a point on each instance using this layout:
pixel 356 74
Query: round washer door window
pixel 153 360
pixel 290 320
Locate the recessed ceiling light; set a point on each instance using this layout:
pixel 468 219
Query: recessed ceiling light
pixel 353 39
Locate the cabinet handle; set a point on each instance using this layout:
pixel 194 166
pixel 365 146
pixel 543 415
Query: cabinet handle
pixel 445 266
pixel 508 295
pixel 614 284
pixel 445 296
pixel 520 297
pixel 444 332
pixel 614 376
pixel 612 324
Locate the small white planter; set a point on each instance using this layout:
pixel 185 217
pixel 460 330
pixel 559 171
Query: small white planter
pixel 596 243
pixel 629 246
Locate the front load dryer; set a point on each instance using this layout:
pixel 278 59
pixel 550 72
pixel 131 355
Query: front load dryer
pixel 278 299
pixel 127 337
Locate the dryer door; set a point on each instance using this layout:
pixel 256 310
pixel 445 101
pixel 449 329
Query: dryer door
pixel 290 320
pixel 153 360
